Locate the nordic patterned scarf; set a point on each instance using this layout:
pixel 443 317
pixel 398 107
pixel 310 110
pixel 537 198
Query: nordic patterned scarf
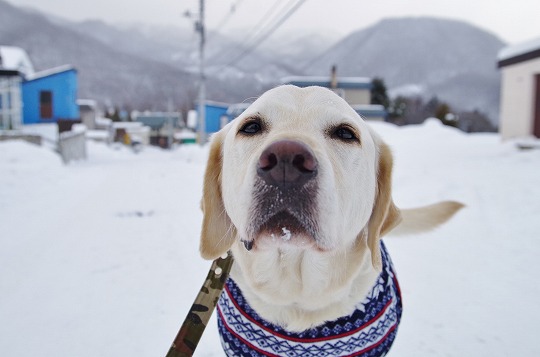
pixel 368 332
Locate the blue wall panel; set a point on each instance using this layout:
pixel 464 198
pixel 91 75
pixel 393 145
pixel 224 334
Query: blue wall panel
pixel 62 85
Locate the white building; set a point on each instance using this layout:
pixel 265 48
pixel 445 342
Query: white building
pixel 14 66
pixel 15 58
pixel 520 90
pixel 355 90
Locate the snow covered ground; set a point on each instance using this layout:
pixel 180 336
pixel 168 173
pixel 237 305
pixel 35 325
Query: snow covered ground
pixel 99 258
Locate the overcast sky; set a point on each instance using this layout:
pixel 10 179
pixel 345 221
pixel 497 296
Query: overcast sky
pixel 512 20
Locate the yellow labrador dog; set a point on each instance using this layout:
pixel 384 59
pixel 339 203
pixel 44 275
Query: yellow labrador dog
pixel 298 188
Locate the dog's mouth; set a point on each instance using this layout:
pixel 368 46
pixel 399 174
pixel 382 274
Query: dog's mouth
pixel 283 229
pixel 283 218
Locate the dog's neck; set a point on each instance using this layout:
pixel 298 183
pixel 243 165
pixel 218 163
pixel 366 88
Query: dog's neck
pixel 302 288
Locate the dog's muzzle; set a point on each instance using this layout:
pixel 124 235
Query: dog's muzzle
pixel 285 193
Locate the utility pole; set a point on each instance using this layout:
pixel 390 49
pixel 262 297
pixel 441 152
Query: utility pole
pixel 202 85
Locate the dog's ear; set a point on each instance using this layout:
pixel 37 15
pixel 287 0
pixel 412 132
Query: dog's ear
pixel 385 214
pixel 218 232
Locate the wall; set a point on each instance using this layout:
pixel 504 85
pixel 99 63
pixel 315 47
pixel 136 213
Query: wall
pixel 357 96
pixel 10 102
pixel 213 115
pixel 63 85
pixel 517 99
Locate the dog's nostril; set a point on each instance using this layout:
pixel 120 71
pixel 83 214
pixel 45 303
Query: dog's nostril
pixel 304 164
pixel 268 162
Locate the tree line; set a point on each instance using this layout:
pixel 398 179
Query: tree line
pixel 404 110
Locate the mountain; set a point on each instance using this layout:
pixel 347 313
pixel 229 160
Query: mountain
pixel 449 59
pixel 133 67
pixel 149 67
pixel 105 73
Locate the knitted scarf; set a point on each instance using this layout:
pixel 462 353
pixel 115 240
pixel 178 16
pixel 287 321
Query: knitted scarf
pixel 368 332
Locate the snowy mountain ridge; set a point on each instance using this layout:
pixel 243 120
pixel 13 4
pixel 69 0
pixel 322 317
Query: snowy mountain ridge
pixel 148 67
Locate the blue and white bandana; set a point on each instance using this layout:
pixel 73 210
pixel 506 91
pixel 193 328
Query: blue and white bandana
pixel 368 332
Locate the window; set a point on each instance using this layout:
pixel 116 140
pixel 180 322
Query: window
pixel 46 104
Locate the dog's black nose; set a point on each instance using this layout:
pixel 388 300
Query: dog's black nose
pixel 287 164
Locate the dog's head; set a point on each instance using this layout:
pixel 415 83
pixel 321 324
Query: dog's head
pixel 299 169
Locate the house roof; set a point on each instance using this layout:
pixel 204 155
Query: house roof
pixel 325 81
pixel 370 110
pixel 16 59
pixel 50 72
pixel 518 53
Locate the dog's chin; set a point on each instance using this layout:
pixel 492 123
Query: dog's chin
pixel 283 230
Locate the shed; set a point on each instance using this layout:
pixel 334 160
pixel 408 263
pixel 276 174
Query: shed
pixel 520 90
pixel 50 95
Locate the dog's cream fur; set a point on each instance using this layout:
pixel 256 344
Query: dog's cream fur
pixel 302 282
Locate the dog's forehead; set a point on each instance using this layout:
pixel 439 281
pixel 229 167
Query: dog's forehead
pixel 290 109
pixel 295 100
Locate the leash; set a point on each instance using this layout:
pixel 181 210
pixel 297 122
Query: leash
pixel 190 333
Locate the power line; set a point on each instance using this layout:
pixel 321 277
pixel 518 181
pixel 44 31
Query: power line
pixel 272 29
pixel 267 19
pixel 227 17
pixel 261 33
pixel 268 16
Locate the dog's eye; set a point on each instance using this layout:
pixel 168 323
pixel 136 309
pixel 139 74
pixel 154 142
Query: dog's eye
pixel 250 128
pixel 344 133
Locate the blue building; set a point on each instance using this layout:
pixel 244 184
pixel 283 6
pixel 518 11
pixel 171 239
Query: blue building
pixel 50 95
pixel 214 115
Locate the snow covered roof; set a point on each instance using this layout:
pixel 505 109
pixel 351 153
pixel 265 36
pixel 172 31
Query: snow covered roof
pixel 325 81
pixel 370 110
pixel 87 102
pixel 15 58
pixel 519 53
pixel 50 72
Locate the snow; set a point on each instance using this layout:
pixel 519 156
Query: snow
pixel 100 258
pixel 15 58
pixel 286 236
pixel 519 49
pixel 49 72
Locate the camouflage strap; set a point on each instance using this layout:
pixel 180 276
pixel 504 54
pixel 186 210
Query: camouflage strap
pixel 197 318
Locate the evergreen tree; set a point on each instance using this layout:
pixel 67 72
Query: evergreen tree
pixel 378 93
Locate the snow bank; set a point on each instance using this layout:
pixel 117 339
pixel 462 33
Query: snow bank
pixel 100 258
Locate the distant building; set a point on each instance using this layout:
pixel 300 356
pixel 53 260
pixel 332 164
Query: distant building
pixel 355 90
pixel 16 59
pixel 10 99
pixel 88 112
pixel 50 95
pixel 214 113
pixel 29 97
pixel 14 65
pixel 162 125
pixel 520 90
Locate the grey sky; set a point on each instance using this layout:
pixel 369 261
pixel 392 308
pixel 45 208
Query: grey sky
pixel 512 20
